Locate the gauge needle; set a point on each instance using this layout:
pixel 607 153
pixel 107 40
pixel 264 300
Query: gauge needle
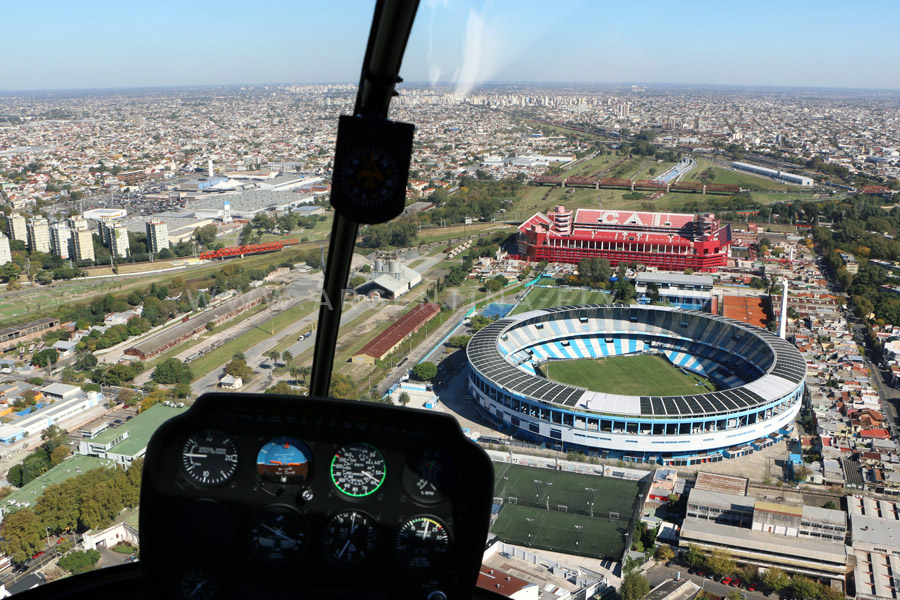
pixel 195 455
pixel 372 477
pixel 344 549
pixel 277 532
pixel 425 533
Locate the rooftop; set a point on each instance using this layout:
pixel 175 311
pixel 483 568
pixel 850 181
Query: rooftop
pixel 139 429
pixel 27 495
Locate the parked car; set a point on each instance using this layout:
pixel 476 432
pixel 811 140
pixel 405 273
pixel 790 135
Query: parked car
pixel 38 554
pixel 735 583
pixel 727 581
pixel 751 588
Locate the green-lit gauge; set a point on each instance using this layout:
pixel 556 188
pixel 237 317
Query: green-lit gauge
pixel 422 543
pixel 358 469
pixel 277 534
pixel 209 458
pixel 350 537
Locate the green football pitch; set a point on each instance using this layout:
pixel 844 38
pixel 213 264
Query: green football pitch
pixel 543 297
pixel 644 375
pixel 565 512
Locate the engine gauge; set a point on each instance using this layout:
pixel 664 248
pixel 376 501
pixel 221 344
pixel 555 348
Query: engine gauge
pixel 284 460
pixel 428 477
pixel 277 534
pixel 350 537
pixel 209 458
pixel 422 542
pixel 198 585
pixel 358 469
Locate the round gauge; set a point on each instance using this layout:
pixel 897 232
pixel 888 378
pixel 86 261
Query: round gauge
pixel 277 533
pixel 422 542
pixel 209 458
pixel 198 585
pixel 428 477
pixel 350 537
pixel 370 176
pixel 284 460
pixel 358 469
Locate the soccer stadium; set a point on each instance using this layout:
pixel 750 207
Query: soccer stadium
pixel 749 382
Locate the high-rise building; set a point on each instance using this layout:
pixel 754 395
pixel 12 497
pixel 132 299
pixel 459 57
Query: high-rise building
pixel 118 240
pixel 5 254
pixel 15 227
pixel 61 240
pixel 106 226
pixel 157 235
pixel 78 222
pixel 84 244
pixel 38 234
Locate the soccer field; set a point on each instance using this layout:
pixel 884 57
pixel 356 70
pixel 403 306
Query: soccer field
pixel 588 515
pixel 544 297
pixel 645 375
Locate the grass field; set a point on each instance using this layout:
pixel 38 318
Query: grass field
pixel 542 297
pixel 644 375
pixel 568 525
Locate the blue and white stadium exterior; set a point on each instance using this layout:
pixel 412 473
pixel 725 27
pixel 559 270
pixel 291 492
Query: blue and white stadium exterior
pixel 760 379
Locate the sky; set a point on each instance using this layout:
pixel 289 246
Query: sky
pixel 791 43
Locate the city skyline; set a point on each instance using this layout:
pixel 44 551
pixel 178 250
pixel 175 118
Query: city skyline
pixel 461 43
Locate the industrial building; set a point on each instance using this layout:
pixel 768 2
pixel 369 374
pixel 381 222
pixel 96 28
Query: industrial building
pixel 390 279
pixel 10 337
pixel 768 529
pixel 875 533
pixel 128 442
pixel 774 174
pixel 667 241
pixel 36 422
pixel 692 292
pixel 173 336
pixel 393 336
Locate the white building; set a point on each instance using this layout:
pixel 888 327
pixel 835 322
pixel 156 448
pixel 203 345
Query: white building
pixel 61 240
pixel 5 254
pixel 15 227
pixel 38 234
pixel 157 235
pixel 118 240
pixel 83 243
pixel 35 423
pixel 772 173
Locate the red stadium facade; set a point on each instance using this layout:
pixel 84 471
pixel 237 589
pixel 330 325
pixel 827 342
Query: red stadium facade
pixel 668 241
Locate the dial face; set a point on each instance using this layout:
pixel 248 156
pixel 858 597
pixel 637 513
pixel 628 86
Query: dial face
pixel 277 534
pixel 358 469
pixel 198 585
pixel 422 542
pixel 350 537
pixel 370 176
pixel 284 460
pixel 428 476
pixel 209 458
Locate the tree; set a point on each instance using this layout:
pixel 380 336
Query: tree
pixel 54 437
pixel 46 357
pixel 206 235
pixel 287 357
pixel 356 281
pixel 403 399
pixel 425 370
pixel 634 587
pixel 802 587
pixel 80 561
pixel 59 454
pixel 733 595
pixel 776 580
pixel 22 533
pixel 695 556
pixel 492 285
pixel 801 472
pixel 653 291
pixel 273 356
pixel 210 325
pixel 459 341
pixel 830 505
pixel 171 371
pixel 720 563
pixel 665 552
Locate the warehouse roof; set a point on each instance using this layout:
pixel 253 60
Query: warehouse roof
pixel 390 337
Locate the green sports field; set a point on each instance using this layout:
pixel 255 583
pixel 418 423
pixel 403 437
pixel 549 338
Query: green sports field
pixel 644 375
pixel 546 297
pixel 565 512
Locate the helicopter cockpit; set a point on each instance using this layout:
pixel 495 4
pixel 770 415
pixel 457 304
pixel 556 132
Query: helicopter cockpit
pixel 252 496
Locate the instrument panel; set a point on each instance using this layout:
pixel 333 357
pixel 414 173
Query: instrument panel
pixel 245 495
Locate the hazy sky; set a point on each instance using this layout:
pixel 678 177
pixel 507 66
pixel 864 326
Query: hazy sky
pixel 91 44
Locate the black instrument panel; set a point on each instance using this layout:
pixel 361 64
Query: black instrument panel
pixel 248 496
